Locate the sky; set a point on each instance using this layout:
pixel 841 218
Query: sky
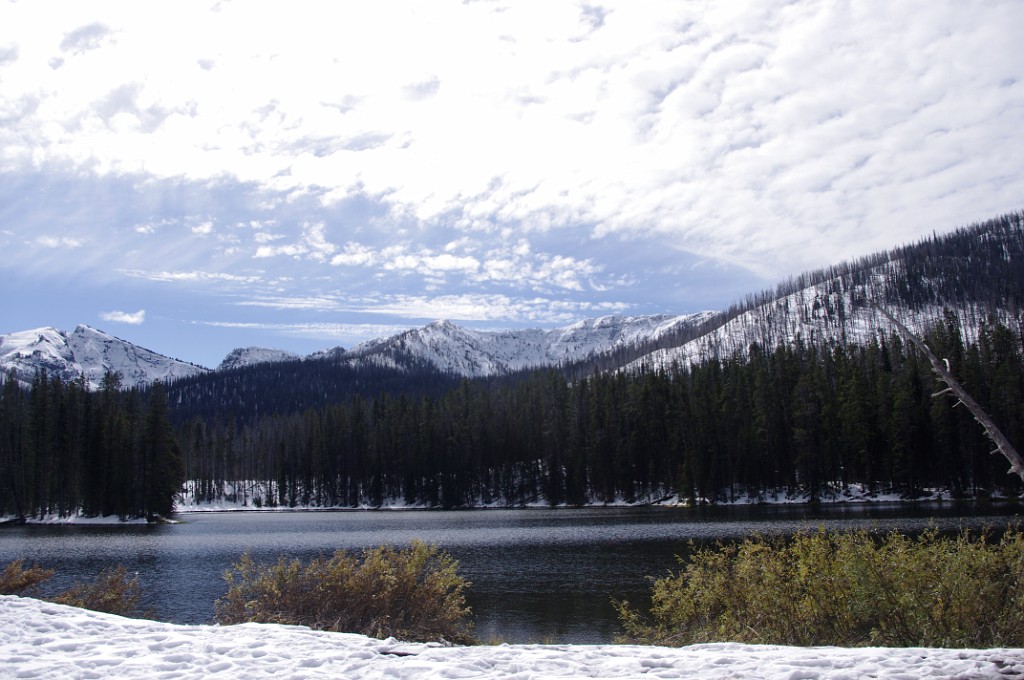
pixel 199 176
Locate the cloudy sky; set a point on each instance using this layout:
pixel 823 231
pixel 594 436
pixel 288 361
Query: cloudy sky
pixel 198 176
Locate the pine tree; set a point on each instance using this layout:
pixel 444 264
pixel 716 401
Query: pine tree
pixel 162 466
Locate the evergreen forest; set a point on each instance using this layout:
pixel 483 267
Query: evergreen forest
pixel 794 418
pixel 65 449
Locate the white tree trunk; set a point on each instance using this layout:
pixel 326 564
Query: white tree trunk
pixel 941 368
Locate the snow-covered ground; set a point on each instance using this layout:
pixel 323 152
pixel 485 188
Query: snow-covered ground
pixel 238 496
pixel 43 640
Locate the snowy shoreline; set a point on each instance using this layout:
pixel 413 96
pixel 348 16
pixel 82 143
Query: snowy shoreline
pixel 831 494
pixel 853 498
pixel 44 640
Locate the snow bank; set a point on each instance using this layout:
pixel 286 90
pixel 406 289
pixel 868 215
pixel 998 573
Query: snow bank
pixel 43 640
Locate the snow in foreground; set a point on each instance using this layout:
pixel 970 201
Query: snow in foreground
pixel 43 640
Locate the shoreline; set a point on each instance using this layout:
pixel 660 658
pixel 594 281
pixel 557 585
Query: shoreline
pixel 880 500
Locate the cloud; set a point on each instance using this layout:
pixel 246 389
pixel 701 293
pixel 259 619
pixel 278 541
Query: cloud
pixel 462 307
pixel 312 243
pixel 131 318
pixel 309 303
pixel 356 255
pixel 85 38
pixel 775 136
pixel 59 242
pixel 8 53
pixel 593 16
pixel 423 90
pixel 510 264
pixel 348 332
pixel 191 276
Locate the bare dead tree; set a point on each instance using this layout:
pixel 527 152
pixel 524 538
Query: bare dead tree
pixel 953 386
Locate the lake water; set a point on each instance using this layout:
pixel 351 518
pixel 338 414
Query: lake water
pixel 537 575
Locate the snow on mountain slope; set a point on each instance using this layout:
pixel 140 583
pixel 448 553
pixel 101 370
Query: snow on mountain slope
pixel 249 356
pixel 85 352
pixel 829 313
pixel 25 352
pixel 442 344
pixel 472 353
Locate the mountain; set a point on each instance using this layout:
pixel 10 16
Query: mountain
pixel 85 352
pixel 441 347
pixel 474 354
pixel 973 276
pixel 250 356
pixel 423 361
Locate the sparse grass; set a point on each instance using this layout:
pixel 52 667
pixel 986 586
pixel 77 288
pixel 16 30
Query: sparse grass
pixel 842 589
pixel 413 594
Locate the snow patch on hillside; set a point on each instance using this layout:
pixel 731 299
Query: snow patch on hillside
pixel 250 356
pixel 815 316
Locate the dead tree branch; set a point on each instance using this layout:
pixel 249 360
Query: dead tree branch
pixel 941 368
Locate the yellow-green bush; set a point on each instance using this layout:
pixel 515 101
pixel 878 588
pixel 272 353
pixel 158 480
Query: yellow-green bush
pixel 413 594
pixel 113 592
pixel 16 580
pixel 842 589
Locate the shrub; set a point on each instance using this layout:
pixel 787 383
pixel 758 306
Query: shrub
pixel 842 589
pixel 112 592
pixel 412 594
pixel 16 580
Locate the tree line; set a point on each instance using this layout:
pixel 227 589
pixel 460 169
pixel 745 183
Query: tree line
pixel 65 449
pixel 244 393
pixel 797 418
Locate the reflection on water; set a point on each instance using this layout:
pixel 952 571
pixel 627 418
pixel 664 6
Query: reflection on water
pixel 537 575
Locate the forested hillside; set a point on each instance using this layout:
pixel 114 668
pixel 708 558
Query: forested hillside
pixel 243 394
pixel 783 411
pixel 798 419
pixel 975 273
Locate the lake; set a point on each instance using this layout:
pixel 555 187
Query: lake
pixel 537 575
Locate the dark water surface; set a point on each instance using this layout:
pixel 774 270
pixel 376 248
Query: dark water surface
pixel 537 575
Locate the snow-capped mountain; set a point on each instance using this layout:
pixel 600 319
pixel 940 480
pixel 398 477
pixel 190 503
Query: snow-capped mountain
pixel 814 315
pixel 250 356
pixel 847 308
pixel 473 353
pixel 442 345
pixel 85 352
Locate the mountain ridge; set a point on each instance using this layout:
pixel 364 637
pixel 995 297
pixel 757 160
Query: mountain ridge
pixel 974 272
pixel 85 353
pixel 475 354
pixel 446 346
pixel 250 356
